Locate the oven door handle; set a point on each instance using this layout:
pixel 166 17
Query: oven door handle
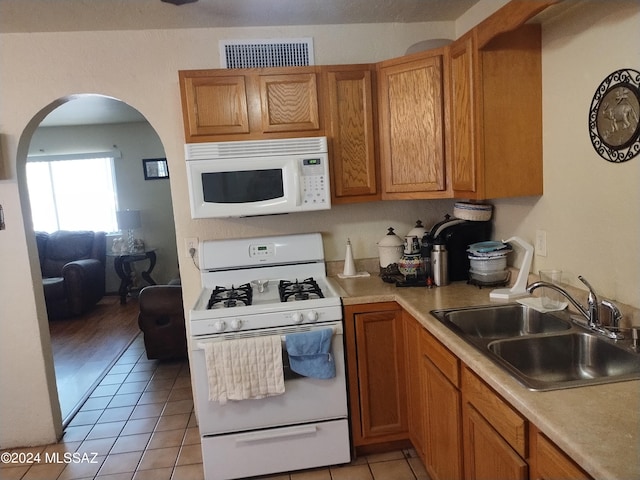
pixel 200 341
pixel 259 436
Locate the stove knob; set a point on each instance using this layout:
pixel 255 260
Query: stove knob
pixel 296 317
pixel 219 326
pixel 236 323
pixel 312 316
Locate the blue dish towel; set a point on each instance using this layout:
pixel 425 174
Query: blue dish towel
pixel 310 353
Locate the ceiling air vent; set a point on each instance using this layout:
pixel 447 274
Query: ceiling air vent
pixel 289 52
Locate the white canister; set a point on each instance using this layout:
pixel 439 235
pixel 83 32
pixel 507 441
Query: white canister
pixel 390 249
pixel 419 231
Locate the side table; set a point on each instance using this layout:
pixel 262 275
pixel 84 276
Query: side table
pixel 122 263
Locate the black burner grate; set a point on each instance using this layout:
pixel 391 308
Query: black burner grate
pixel 299 290
pixel 223 297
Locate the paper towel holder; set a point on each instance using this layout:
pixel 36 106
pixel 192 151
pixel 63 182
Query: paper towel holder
pixel 349 270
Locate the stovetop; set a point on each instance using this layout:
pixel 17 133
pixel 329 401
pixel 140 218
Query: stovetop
pixel 278 294
pixel 261 283
pixel 265 310
pixel 242 295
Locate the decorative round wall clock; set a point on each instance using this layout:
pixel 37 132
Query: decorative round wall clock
pixel 613 117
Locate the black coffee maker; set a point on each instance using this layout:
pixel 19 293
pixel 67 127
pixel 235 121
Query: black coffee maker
pixel 456 235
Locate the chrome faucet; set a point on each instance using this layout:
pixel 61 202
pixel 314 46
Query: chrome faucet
pixel 592 312
pixel 616 316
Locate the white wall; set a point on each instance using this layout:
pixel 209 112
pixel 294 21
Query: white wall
pixel 38 70
pixel 590 208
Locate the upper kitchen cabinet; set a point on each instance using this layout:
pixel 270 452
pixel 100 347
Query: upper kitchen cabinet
pixel 496 106
pixel 351 127
pixel 289 102
pixel 413 116
pixel 250 104
pixel 213 104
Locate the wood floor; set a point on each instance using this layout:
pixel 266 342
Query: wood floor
pixel 84 348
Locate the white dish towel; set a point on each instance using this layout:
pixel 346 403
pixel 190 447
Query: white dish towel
pixel 242 369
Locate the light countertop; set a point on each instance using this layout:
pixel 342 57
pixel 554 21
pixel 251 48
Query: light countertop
pixel 597 426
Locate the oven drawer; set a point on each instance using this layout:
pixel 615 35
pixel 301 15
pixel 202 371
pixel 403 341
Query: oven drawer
pixel 238 455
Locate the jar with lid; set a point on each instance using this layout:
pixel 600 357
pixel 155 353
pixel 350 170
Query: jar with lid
pixel 418 231
pixel 410 266
pixel 390 250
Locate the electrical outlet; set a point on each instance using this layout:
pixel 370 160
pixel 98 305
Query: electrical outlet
pixel 541 243
pixel 190 245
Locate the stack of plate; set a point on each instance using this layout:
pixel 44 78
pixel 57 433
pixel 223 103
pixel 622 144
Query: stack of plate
pixel 476 212
pixel 488 263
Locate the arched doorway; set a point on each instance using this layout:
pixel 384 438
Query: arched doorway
pixel 88 123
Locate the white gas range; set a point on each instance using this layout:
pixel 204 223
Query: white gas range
pixel 269 286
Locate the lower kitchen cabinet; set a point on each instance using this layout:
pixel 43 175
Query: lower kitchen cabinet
pixel 405 385
pixel 376 373
pixel 415 383
pixel 487 455
pixel 495 435
pixel 442 410
pixel 548 462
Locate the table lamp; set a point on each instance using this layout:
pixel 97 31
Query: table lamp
pixel 129 220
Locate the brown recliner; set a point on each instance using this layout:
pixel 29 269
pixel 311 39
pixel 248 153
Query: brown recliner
pixel 161 320
pixel 73 270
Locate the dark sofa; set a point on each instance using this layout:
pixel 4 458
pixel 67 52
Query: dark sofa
pixel 161 320
pixel 73 270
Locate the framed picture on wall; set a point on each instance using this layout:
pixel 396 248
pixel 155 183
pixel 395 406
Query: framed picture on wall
pixel 155 168
pixel 614 116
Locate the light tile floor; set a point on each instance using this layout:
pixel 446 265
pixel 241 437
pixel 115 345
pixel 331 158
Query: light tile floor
pixel 139 424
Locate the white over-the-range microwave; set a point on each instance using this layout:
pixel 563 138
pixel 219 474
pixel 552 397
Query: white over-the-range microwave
pixel 258 177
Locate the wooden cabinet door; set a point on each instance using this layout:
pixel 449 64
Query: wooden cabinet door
pixel 351 120
pixel 487 456
pixel 289 102
pixel 250 104
pixel 463 153
pixel 548 462
pixel 502 417
pixel 511 141
pixel 379 400
pixel 416 405
pixel 443 424
pixel 412 128
pixel 213 105
pixel 496 114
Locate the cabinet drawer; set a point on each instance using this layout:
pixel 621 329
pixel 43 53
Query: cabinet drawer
pixel 276 450
pixel 504 419
pixel 549 462
pixel 441 357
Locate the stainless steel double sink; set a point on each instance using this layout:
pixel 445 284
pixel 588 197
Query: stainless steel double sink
pixel 543 351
